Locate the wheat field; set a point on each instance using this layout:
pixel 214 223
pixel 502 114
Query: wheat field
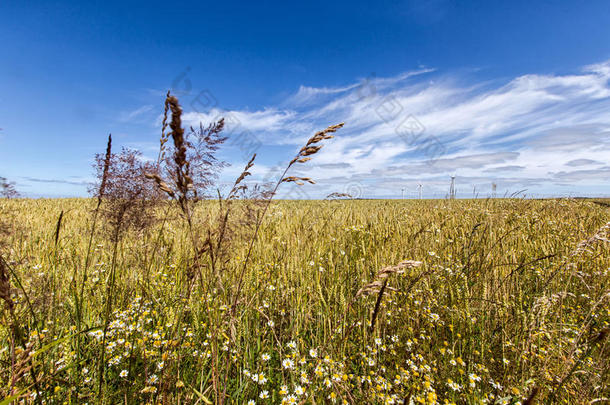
pixel 383 302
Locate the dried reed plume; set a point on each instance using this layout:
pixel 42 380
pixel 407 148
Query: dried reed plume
pixel 202 144
pixel 129 197
pixel 193 165
pixel 105 169
pixel 180 167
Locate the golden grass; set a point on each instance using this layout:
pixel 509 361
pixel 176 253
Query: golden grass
pixel 499 311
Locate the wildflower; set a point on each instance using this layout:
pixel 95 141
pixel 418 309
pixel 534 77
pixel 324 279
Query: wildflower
pixel 495 385
pixel 319 371
pixel 290 399
pixel 299 390
pixel 472 379
pixel 264 394
pixel 288 364
pixel 251 402
pixel 265 357
pixel 124 373
pixel 454 386
pixel 270 323
pixel 313 353
pixel 259 378
pixel 292 345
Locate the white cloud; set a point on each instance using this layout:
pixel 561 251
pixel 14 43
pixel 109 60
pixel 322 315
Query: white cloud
pixel 267 120
pixel 532 129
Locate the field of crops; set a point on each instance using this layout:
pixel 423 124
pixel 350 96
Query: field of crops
pixel 431 301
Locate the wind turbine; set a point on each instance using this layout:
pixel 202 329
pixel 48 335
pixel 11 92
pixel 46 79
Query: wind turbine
pixel 452 188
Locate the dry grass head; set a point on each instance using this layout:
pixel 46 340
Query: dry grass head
pixel 190 170
pixel 309 149
pixel 238 186
pixel 177 166
pixel 375 286
pixel 105 168
pixel 202 145
pixel 177 132
pixel 129 197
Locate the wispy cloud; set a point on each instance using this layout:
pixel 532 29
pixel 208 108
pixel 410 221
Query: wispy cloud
pixel 128 116
pixel 58 181
pixel 529 130
pixel 583 162
pixel 267 120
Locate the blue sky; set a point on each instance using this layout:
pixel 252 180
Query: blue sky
pixel 513 93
